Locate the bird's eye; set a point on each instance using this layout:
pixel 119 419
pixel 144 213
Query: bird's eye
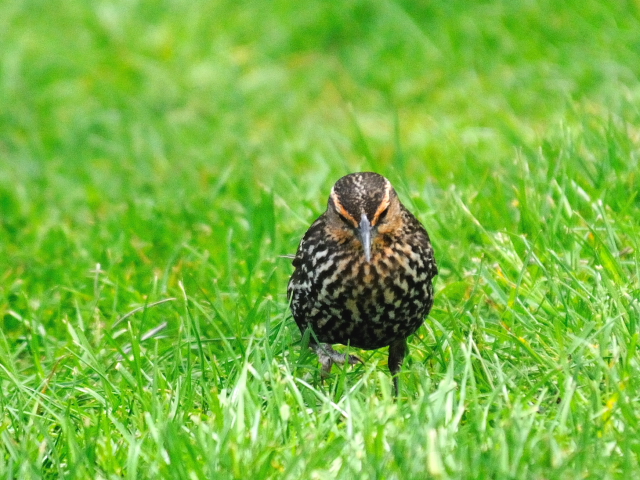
pixel 345 220
pixel 382 215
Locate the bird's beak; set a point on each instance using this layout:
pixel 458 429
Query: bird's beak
pixel 365 236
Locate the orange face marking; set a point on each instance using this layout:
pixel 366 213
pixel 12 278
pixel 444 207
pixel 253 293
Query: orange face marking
pixel 341 210
pixel 393 222
pixel 342 235
pixel 384 204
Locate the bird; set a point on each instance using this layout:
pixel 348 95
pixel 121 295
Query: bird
pixel 362 274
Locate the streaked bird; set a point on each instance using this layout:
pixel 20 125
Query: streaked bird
pixel 363 273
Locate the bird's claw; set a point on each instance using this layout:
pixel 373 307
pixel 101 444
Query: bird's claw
pixel 328 356
pixel 353 360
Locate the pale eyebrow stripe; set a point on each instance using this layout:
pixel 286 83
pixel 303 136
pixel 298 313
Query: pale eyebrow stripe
pixel 384 204
pixel 341 209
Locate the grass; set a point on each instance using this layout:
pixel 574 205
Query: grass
pixel 156 158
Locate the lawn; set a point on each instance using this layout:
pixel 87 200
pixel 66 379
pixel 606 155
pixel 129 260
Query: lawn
pixel 157 159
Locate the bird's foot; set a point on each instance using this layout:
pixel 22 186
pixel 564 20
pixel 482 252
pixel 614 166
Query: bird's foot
pixel 328 356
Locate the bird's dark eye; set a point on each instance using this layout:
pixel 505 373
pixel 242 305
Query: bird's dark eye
pixel 346 220
pixel 382 216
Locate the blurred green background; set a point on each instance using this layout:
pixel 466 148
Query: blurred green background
pixel 129 128
pixel 174 149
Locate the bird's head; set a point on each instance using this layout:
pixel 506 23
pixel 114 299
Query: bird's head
pixel 362 206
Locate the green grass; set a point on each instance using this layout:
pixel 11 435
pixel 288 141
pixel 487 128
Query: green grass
pixel 156 159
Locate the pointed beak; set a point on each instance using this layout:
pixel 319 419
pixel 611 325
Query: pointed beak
pixel 365 236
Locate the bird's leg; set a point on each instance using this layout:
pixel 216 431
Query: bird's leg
pixel 397 352
pixel 328 356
